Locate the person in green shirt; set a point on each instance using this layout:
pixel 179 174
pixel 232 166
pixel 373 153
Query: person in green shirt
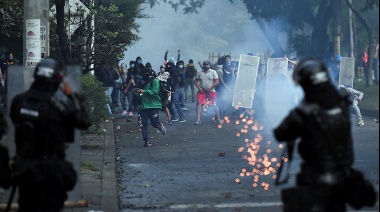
pixel 149 91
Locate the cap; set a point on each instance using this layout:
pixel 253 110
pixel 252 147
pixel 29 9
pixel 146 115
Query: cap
pixel 206 62
pixel 172 61
pixel 191 61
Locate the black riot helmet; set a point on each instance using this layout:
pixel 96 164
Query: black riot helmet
pixel 311 73
pixel 49 70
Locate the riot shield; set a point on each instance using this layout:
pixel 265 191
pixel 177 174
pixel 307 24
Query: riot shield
pixel 347 70
pixel 278 97
pixel 245 81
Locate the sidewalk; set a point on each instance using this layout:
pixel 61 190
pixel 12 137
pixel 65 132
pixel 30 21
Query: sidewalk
pixel 97 177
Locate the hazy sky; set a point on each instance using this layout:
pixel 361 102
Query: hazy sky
pixel 219 27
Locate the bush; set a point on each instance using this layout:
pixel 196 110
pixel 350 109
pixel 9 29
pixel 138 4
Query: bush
pixel 96 101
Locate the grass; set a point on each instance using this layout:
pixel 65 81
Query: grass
pixel 89 166
pixel 371 94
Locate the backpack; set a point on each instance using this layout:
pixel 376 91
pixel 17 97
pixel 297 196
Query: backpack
pixel 190 72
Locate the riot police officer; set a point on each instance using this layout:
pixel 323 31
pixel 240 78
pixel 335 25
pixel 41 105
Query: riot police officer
pixel 322 122
pixel 44 118
pixel 5 180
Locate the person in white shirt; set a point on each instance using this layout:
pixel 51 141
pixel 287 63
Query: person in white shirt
pixel 357 97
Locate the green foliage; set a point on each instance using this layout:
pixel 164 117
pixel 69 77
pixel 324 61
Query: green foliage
pixel 188 7
pixel 87 166
pixel 115 30
pixel 96 101
pixel 11 18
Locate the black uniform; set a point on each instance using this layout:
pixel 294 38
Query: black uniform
pixel 5 179
pixel 44 118
pixel 322 122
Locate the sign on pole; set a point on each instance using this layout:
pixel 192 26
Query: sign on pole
pixel 347 70
pixel 33 42
pixel 245 81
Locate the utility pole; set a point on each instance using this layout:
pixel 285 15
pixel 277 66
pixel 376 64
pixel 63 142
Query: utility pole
pixel 36 31
pixel 336 21
pixel 351 32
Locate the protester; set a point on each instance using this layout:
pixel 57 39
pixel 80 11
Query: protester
pixel 322 122
pixel 206 81
pixel 150 104
pixel 116 86
pixel 103 76
pixel 174 83
pixel 165 92
pixel 44 118
pixel 190 73
pixel 130 85
pixel 4 66
pixel 357 97
pixel 181 72
pixel 123 88
pixel 376 64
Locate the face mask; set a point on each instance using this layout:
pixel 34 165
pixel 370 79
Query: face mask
pixel 180 66
pixel 139 62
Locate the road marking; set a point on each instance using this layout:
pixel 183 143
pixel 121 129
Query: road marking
pixel 235 205
pixel 232 205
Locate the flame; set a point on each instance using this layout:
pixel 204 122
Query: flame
pixel 262 163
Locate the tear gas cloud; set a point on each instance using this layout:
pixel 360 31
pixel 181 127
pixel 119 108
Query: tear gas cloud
pixel 197 35
pixel 220 27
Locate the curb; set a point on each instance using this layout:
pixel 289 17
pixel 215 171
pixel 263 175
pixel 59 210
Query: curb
pixel 109 200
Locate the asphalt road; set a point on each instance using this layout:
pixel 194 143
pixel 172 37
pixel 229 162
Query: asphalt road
pixel 206 167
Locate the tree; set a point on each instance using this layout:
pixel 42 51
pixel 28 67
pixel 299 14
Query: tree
pixel 11 15
pixel 11 19
pixel 371 35
pixel 114 31
pixel 307 22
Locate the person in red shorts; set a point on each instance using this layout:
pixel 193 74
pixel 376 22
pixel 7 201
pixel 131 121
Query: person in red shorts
pixel 206 81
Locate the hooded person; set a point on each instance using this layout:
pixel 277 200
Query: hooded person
pixel 174 82
pixel 150 104
pixel 138 60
